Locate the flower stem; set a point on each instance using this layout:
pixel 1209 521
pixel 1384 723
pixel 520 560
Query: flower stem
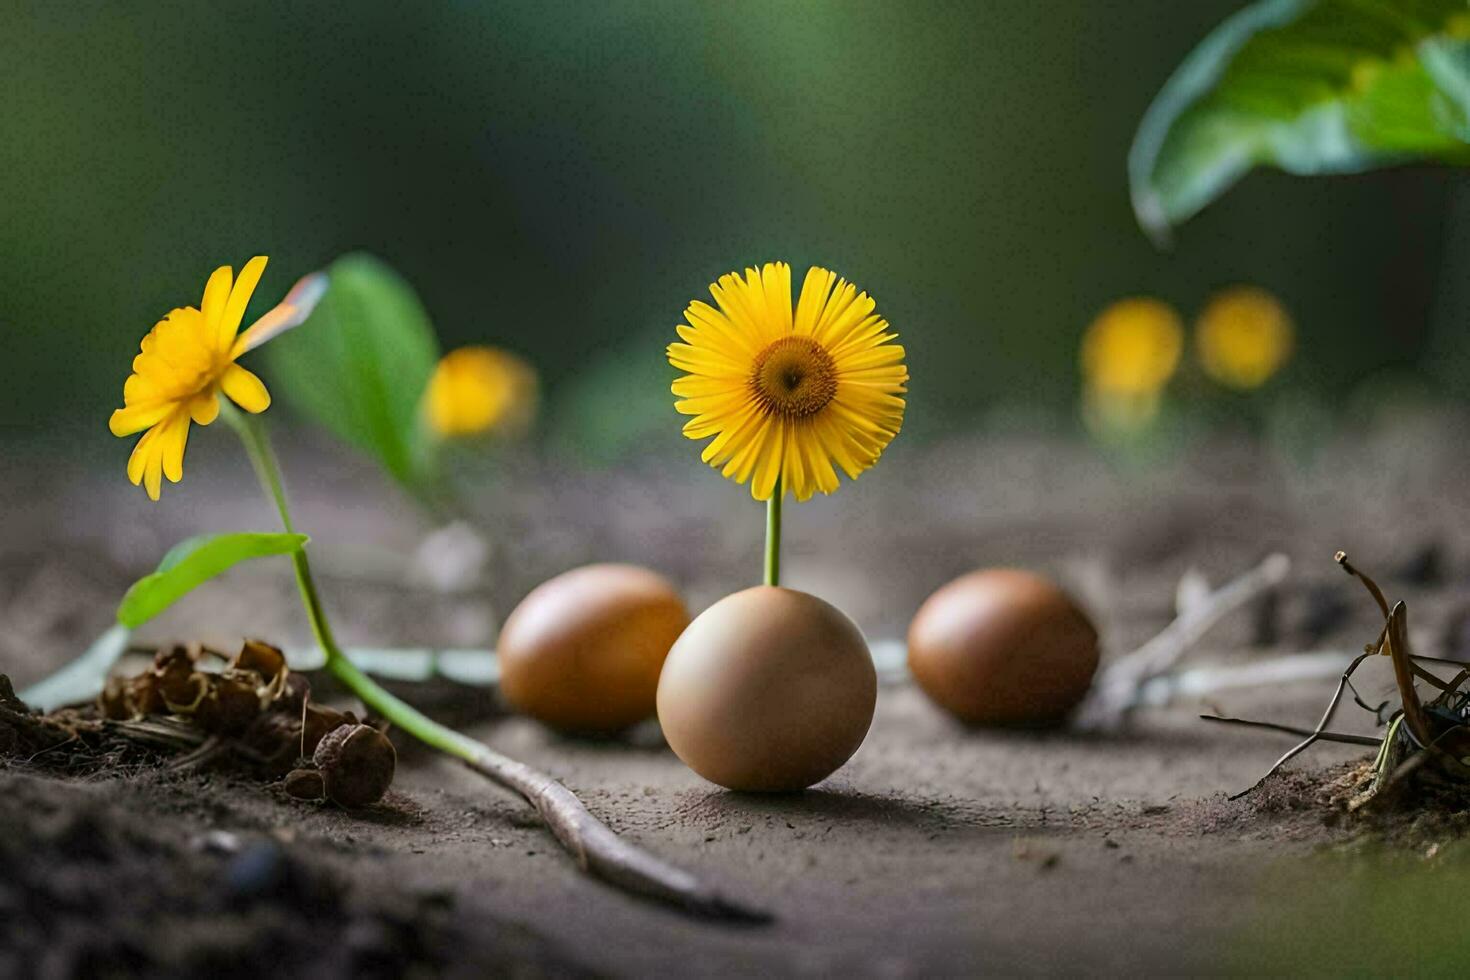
pixel 263 459
pixel 597 849
pixel 773 534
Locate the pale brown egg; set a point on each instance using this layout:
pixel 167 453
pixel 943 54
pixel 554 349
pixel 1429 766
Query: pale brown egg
pixel 1003 647
pixel 582 652
pixel 769 689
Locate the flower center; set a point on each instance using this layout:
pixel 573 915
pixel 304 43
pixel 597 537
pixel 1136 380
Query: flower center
pixel 794 377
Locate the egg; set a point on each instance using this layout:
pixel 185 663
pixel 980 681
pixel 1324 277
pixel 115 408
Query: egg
pixel 769 689
pixel 1003 647
pixel 582 652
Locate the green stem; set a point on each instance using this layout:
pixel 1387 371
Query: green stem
pixel 773 534
pixel 406 717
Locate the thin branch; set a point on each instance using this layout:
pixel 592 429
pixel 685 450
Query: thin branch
pixel 1117 689
pixel 1210 679
pixel 601 852
pixel 1345 737
pixel 1316 733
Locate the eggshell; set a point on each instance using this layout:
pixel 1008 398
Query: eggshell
pixel 1003 647
pixel 768 689
pixel 582 652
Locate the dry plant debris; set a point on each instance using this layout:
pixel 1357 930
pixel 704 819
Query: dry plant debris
pixel 253 715
pixel 1122 686
pixel 1423 757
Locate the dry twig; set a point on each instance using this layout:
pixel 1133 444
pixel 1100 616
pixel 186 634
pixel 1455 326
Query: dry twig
pixel 1119 687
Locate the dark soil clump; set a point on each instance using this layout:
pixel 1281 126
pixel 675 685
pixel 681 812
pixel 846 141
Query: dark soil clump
pixel 88 888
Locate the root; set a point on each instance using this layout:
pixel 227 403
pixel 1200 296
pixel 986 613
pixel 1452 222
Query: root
pixel 601 852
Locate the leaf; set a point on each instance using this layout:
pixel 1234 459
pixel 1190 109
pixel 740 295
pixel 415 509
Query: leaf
pixel 1310 87
pixel 193 562
pixel 83 678
pixel 360 363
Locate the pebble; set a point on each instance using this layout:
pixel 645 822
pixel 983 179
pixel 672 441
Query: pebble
pixel 258 870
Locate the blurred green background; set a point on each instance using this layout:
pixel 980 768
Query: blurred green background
pixel 561 178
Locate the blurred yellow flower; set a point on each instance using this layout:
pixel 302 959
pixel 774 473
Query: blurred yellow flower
pixel 1132 347
pixel 188 359
pixel 1243 337
pixel 786 395
pixel 476 390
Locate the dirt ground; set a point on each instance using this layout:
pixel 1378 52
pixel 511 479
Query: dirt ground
pixel 936 851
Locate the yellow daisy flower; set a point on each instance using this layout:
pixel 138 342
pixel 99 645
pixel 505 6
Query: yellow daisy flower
pixel 788 395
pixel 188 359
pixel 1243 337
pixel 476 389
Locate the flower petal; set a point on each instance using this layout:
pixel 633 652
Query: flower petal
pixel 172 444
pixel 138 461
pixel 239 299
pixel 153 472
pixel 205 408
pixel 813 295
pixel 776 282
pixel 136 418
pixel 216 296
pixel 245 389
pixel 768 463
pixel 290 312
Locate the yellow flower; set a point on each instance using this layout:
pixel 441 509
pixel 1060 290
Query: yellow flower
pixel 788 395
pixel 478 389
pixel 1243 337
pixel 1133 347
pixel 188 359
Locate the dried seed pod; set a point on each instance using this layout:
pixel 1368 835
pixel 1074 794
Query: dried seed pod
pixel 266 661
pixel 316 721
pixel 183 695
pixel 356 763
pixel 175 680
pixel 174 660
pixel 114 701
pixel 142 697
pixel 232 704
pixel 275 738
pixel 304 784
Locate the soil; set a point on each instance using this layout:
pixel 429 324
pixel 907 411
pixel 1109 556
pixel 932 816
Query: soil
pixel 936 850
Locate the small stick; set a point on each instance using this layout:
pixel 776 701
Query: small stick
pixel 1316 733
pixel 1394 641
pixel 1210 679
pixel 601 852
pixel 1325 736
pixel 212 748
pixel 1117 689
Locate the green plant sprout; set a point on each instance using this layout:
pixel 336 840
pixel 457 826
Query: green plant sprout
pixel 185 365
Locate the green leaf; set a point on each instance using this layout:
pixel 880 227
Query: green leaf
pixel 83 678
pixel 193 562
pixel 360 364
pixel 1310 87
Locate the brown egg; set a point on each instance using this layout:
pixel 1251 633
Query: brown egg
pixel 768 689
pixel 582 652
pixel 1003 647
